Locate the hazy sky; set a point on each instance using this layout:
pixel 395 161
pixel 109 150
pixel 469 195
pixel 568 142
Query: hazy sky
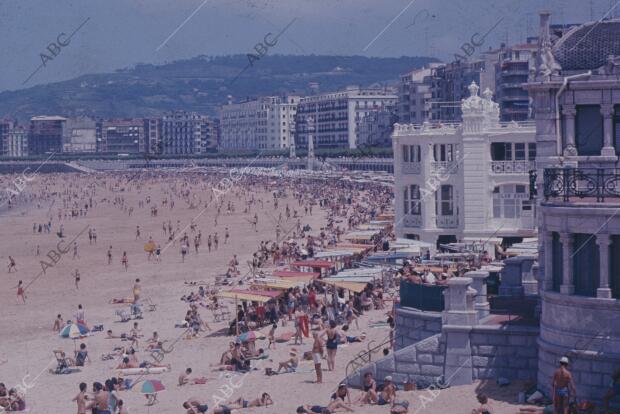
pixel 121 33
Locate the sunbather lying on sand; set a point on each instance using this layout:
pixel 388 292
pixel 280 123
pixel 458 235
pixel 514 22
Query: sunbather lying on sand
pixel 263 401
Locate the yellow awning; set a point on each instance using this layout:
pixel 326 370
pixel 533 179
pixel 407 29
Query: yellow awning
pixel 284 284
pixel 244 296
pixel 357 237
pixel 356 287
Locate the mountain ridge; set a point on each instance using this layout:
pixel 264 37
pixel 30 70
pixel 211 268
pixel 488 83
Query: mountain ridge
pixel 199 84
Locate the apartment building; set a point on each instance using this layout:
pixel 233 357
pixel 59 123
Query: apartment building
pixel 121 136
pixel 46 135
pixel 334 118
pixel 265 123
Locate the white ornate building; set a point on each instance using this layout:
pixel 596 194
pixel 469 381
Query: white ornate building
pixel 467 181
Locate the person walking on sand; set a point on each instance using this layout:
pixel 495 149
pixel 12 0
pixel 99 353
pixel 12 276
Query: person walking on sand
pixel 75 251
pixel 317 356
pixel 562 387
pixel 21 292
pixel 125 261
pixel 110 255
pixel 137 232
pixel 226 235
pixel 80 315
pixel 76 276
pixel 12 264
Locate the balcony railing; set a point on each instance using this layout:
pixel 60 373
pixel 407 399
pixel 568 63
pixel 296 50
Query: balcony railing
pixel 512 167
pixel 583 183
pixel 412 221
pixel 445 167
pixel 412 167
pixel 447 222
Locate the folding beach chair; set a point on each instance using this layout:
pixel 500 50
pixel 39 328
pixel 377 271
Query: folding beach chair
pixel 63 363
pixel 151 307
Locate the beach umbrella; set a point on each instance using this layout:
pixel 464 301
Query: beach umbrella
pixel 74 331
pixel 250 336
pixel 152 387
pixel 149 247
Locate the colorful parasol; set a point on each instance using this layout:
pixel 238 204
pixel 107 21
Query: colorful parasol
pixel 250 336
pixel 149 247
pixel 152 387
pixel 73 331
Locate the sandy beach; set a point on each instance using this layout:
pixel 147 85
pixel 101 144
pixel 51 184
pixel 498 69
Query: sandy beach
pixel 28 339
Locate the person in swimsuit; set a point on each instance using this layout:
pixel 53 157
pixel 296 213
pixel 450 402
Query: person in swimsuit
pixel 331 344
pixel 388 393
pixel 342 393
pixel 563 388
pixel 264 401
pixel 317 356
pixel 193 406
pixel 370 389
pixel 81 398
pixel 100 401
pixel 484 405
pixel 21 291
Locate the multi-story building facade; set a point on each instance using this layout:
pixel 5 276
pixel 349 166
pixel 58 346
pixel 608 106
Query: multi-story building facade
pixel 265 123
pixel 81 135
pixel 46 135
pixel 467 181
pixel 239 125
pixel 512 71
pixel 184 133
pixel 152 134
pixel 17 142
pixel 576 98
pixel 334 118
pixel 5 127
pixel 449 83
pixel 414 96
pixel 375 130
pixel 121 136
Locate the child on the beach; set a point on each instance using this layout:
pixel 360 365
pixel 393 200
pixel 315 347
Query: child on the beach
pixel 21 291
pixel 58 323
pixel 272 336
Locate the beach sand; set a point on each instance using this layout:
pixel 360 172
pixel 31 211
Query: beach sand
pixel 27 339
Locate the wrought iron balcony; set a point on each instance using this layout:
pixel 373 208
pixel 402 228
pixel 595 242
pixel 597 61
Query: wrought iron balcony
pixel 447 222
pixel 445 167
pixel 512 167
pixel 590 184
pixel 412 167
pixel 411 220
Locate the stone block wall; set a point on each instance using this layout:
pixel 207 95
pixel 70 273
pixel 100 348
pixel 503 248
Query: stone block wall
pixel 421 361
pixel 591 370
pixel 500 351
pixel 413 325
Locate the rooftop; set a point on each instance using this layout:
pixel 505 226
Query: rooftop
pixel 588 46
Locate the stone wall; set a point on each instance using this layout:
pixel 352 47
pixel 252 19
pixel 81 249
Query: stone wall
pixel 421 361
pixel 413 325
pixel 498 351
